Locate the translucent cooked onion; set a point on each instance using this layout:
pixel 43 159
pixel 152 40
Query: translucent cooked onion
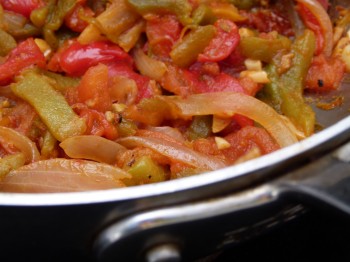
pixel 230 103
pixel 175 152
pixel 10 137
pixel 148 66
pixel 63 175
pixel 325 22
pixel 93 148
pixel 168 130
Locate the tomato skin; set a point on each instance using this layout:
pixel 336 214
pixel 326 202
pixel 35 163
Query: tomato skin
pixel 26 54
pixel 73 20
pixel 221 46
pixel 97 124
pixel 246 139
pixel 23 7
pixel 93 88
pixel 325 74
pixel 162 32
pixel 142 82
pixel 311 22
pixel 77 58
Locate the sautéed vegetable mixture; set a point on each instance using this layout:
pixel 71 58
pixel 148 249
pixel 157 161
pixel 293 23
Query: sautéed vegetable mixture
pixel 108 94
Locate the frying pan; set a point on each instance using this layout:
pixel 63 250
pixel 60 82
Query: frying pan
pixel 189 218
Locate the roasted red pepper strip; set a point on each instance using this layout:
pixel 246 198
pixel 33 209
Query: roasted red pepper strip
pixel 23 7
pixel 26 54
pixel 223 43
pixel 77 58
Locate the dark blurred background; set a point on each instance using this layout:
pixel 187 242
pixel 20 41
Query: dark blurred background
pixel 313 236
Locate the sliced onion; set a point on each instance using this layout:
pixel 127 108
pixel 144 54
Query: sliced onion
pixel 9 136
pixel 93 148
pixel 168 130
pixel 174 151
pixel 63 175
pixel 230 103
pixel 148 66
pixel 325 22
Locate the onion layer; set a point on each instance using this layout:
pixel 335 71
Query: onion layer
pixel 93 148
pixel 230 103
pixel 325 22
pixel 9 136
pixel 174 151
pixel 63 175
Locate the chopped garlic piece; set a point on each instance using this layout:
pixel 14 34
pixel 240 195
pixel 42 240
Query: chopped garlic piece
pixel 259 77
pixel 118 107
pixel 43 46
pixel 251 154
pixel 253 65
pixel 110 116
pixel 219 124
pixel 221 143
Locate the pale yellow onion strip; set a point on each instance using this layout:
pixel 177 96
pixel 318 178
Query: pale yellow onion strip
pixel 21 142
pixel 174 151
pixel 63 175
pixel 148 66
pixel 93 148
pixel 325 22
pixel 229 103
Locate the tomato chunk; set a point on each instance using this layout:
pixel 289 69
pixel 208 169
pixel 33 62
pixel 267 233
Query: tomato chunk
pixel 325 73
pixel 26 54
pixel 77 58
pixel 23 7
pixel 221 46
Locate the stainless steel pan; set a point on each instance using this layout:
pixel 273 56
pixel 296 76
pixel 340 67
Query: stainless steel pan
pixel 190 218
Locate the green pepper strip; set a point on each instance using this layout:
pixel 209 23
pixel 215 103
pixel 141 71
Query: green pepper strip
pixel 203 15
pixel 51 105
pixel 11 162
pixel 286 90
pixel 145 171
pixel 7 43
pixel 200 127
pixel 57 10
pixel 181 8
pixel 244 4
pixel 267 48
pixel 186 52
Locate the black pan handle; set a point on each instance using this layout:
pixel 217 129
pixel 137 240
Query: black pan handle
pixel 323 183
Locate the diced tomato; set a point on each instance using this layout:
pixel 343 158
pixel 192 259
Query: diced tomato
pixel 93 89
pixel 26 54
pixel 23 7
pixel 77 58
pixel 97 124
pixel 268 20
pixel 73 19
pixel 162 32
pixel 225 41
pixel 311 22
pixel 222 83
pixel 325 73
pixel 142 82
pixel 246 139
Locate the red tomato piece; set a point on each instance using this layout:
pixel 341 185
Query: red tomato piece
pixel 73 20
pixel 23 7
pixel 93 89
pixel 162 32
pixel 325 74
pixel 77 58
pixel 222 83
pixel 26 54
pixel 142 82
pixel 246 139
pixel 311 22
pixel 221 46
pixel 97 124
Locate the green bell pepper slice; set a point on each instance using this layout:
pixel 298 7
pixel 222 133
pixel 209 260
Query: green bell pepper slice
pixel 50 105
